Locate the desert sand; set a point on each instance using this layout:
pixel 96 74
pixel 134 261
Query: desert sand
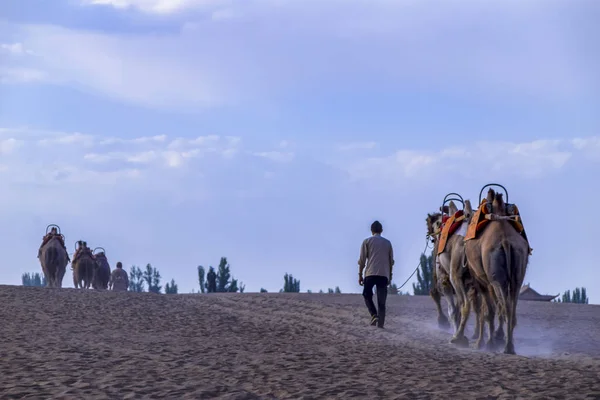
pixel 74 344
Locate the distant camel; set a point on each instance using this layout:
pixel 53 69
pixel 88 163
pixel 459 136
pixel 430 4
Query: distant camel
pixel 83 266
pixel 497 259
pixel 101 271
pixel 53 257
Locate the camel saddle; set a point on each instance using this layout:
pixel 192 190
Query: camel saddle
pixel 80 252
pixel 449 226
pixel 49 236
pixel 480 221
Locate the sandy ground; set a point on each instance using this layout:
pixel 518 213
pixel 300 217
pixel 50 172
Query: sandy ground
pixel 71 344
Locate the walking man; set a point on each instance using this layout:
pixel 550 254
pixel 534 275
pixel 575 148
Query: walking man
pixel 119 281
pixel 377 254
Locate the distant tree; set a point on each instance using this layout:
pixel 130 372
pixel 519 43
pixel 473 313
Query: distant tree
pixel 33 279
pixel 152 278
pixel 579 296
pixel 321 291
pixel 263 290
pixel 225 281
pixel 136 279
pixel 201 276
pixel 330 291
pixel 171 288
pixel 337 290
pixel 309 291
pixel 211 280
pixel 424 275
pixel 223 275
pixel 233 286
pixel 290 284
pixel 393 289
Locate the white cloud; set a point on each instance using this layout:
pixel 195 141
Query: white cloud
pixel 15 48
pixel 51 158
pixel 324 45
pixel 10 145
pixel 155 6
pixel 20 75
pixel 481 159
pixel 357 146
pixel 71 138
pixel 277 156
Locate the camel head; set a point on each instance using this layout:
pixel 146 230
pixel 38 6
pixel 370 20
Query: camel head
pixel 490 199
pixel 498 205
pixel 452 209
pixel 434 223
pixel 468 210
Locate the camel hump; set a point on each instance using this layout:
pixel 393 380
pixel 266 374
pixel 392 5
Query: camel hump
pixel 484 215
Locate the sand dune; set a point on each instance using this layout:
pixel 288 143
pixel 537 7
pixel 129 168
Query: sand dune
pixel 69 344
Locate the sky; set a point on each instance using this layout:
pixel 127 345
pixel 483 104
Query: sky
pixel 273 132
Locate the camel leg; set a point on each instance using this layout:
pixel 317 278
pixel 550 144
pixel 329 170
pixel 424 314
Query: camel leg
pixel 465 309
pixel 443 322
pixel 511 322
pixel 459 337
pixel 453 313
pixel 480 329
pixel 499 335
pixel 475 300
pixel 490 316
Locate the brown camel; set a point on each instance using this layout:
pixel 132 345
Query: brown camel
pixel 101 271
pixel 451 276
pixel 83 266
pixel 54 259
pixel 497 259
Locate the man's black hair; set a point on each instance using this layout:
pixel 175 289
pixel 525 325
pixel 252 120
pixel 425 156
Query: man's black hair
pixel 376 227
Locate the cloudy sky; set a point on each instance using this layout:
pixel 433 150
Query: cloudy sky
pixel 273 132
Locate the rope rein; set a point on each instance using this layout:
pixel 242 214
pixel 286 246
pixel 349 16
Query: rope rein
pixel 418 265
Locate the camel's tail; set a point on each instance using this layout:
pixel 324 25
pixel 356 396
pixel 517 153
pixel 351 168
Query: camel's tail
pixel 51 261
pixel 509 298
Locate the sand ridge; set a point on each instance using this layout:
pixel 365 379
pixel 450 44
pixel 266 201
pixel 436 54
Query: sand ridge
pixel 73 344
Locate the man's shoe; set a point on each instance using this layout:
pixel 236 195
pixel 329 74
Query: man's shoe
pixel 374 320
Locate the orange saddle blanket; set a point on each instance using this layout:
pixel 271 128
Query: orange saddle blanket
pixel 450 226
pixel 479 220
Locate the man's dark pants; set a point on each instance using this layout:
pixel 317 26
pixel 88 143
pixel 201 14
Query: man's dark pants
pixel 381 282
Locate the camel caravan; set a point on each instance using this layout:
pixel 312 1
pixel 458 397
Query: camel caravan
pixel 90 267
pixel 480 262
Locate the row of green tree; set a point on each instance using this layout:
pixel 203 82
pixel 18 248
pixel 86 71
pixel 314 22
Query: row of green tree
pixel 221 280
pixel 579 296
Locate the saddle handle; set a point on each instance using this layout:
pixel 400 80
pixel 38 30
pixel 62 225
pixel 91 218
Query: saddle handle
pixel 448 199
pixel 493 184
pixel 101 248
pixel 49 227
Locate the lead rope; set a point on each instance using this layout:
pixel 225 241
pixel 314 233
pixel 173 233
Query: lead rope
pixel 416 269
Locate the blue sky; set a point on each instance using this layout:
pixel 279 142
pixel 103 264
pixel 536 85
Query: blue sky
pixel 274 132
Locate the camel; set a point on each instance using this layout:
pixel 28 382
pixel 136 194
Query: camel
pixel 83 266
pixel 497 259
pixel 451 277
pixel 101 271
pixel 53 257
